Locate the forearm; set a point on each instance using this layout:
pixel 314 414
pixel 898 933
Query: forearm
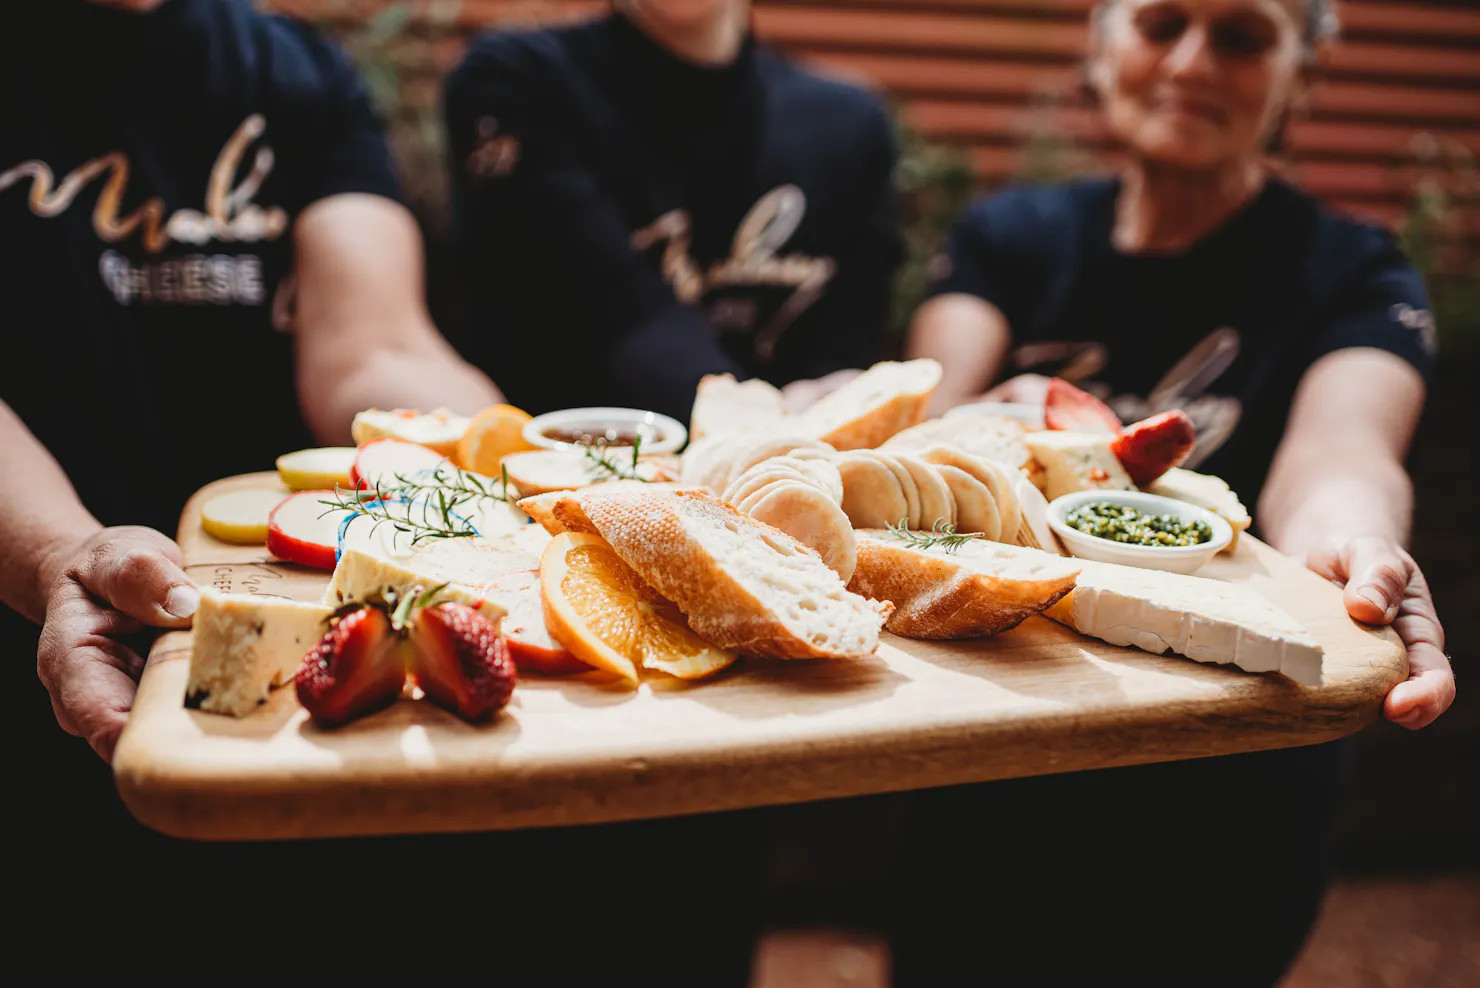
pixel 968 337
pixel 1321 497
pixel 333 390
pixel 43 517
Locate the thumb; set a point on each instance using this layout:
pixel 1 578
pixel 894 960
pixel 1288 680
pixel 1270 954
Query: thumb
pixel 137 571
pixel 1377 576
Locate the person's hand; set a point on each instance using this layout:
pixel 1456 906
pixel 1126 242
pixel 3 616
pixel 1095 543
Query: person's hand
pixel 1024 389
pixel 101 592
pixel 799 395
pixel 1383 585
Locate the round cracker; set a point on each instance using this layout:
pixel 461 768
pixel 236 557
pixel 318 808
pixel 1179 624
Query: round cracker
pixel 906 484
pixel 820 469
pixel 937 505
pixel 812 518
pixel 756 449
pixel 747 502
pixel 872 495
pixel 760 475
pixel 975 509
pixel 998 479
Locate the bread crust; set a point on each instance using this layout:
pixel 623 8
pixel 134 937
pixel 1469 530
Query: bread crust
pixel 648 531
pixel 940 596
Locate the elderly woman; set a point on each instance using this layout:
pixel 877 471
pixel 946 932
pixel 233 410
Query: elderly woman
pixel 1299 342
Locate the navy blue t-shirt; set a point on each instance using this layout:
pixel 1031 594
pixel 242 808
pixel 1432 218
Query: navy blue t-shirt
pixel 631 221
pixel 151 168
pixel 1223 331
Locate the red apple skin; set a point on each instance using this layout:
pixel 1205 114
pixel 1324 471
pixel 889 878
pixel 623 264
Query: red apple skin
pixel 296 550
pixel 357 479
pixel 531 648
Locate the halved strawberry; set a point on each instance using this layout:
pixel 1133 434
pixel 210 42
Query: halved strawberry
pixel 460 661
pixel 1069 409
pixel 1149 448
pixel 356 669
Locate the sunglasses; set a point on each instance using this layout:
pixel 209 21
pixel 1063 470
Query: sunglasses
pixel 1237 36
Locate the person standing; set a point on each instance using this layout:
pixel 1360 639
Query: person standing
pixel 1298 341
pixel 652 196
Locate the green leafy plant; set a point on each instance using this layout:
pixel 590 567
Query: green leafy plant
pixel 935 186
pixel 1443 179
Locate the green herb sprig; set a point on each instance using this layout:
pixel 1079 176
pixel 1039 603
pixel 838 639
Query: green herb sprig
pixel 942 534
pixel 439 494
pixel 600 455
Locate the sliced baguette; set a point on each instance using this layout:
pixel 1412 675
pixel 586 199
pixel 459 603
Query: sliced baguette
pixel 542 471
pixel 979 588
pixel 814 519
pixel 999 439
pixel 742 584
pixel 544 509
pixel 723 404
pixel 883 400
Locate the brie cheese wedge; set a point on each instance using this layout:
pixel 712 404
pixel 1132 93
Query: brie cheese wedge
pixel 245 645
pixel 1204 620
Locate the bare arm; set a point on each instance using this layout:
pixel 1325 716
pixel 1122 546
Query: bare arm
pixel 969 337
pixel 1338 496
pixel 43 518
pixel 365 339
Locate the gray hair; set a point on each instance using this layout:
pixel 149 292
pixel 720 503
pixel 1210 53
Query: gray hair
pixel 1321 21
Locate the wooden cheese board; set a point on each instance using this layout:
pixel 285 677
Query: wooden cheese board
pixel 1036 700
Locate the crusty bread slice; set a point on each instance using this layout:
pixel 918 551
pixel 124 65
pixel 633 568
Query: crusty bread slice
pixel 545 508
pixel 723 404
pixel 992 438
pixel 742 584
pixel 979 588
pixel 544 470
pixel 883 400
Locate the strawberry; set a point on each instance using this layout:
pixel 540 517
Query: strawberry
pixel 1069 409
pixel 1149 448
pixel 356 669
pixel 460 661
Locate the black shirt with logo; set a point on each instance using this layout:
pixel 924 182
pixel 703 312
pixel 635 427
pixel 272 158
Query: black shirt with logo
pixel 631 221
pixel 151 167
pixel 1224 330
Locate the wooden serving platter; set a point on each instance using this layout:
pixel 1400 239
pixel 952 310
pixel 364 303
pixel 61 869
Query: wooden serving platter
pixel 1036 700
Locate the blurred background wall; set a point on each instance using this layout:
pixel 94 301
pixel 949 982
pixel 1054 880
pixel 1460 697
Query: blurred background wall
pixel 986 92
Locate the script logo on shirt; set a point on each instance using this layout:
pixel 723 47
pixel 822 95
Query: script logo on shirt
pixel 755 259
pixel 230 216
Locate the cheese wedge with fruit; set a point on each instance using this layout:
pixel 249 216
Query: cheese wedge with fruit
pixel 1077 461
pixel 1204 620
pixel 1205 491
pixel 245 645
pixel 360 576
pixel 439 429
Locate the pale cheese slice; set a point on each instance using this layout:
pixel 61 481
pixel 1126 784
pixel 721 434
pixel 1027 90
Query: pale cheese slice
pixel 1205 491
pixel 359 576
pixel 245 645
pixel 1077 461
pixel 1204 620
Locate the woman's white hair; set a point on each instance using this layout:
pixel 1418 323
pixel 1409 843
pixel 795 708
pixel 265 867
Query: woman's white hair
pixel 1321 22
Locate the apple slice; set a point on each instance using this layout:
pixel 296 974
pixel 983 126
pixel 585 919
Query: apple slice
pixel 239 517
pixel 317 469
pixel 379 461
pixel 530 643
pixel 304 530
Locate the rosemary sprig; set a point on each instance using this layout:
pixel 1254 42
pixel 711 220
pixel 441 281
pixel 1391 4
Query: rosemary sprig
pixel 942 534
pixel 463 485
pixel 599 453
pixel 437 517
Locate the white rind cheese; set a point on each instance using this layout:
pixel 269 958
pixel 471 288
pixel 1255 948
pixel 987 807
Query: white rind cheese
pixel 360 576
pixel 1205 491
pixel 1077 461
pixel 1204 620
pixel 246 645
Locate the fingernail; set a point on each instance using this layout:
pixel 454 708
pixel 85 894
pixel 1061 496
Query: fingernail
pixel 1374 598
pixel 182 600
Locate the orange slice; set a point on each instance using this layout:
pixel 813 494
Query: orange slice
pixel 493 434
pixel 606 616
